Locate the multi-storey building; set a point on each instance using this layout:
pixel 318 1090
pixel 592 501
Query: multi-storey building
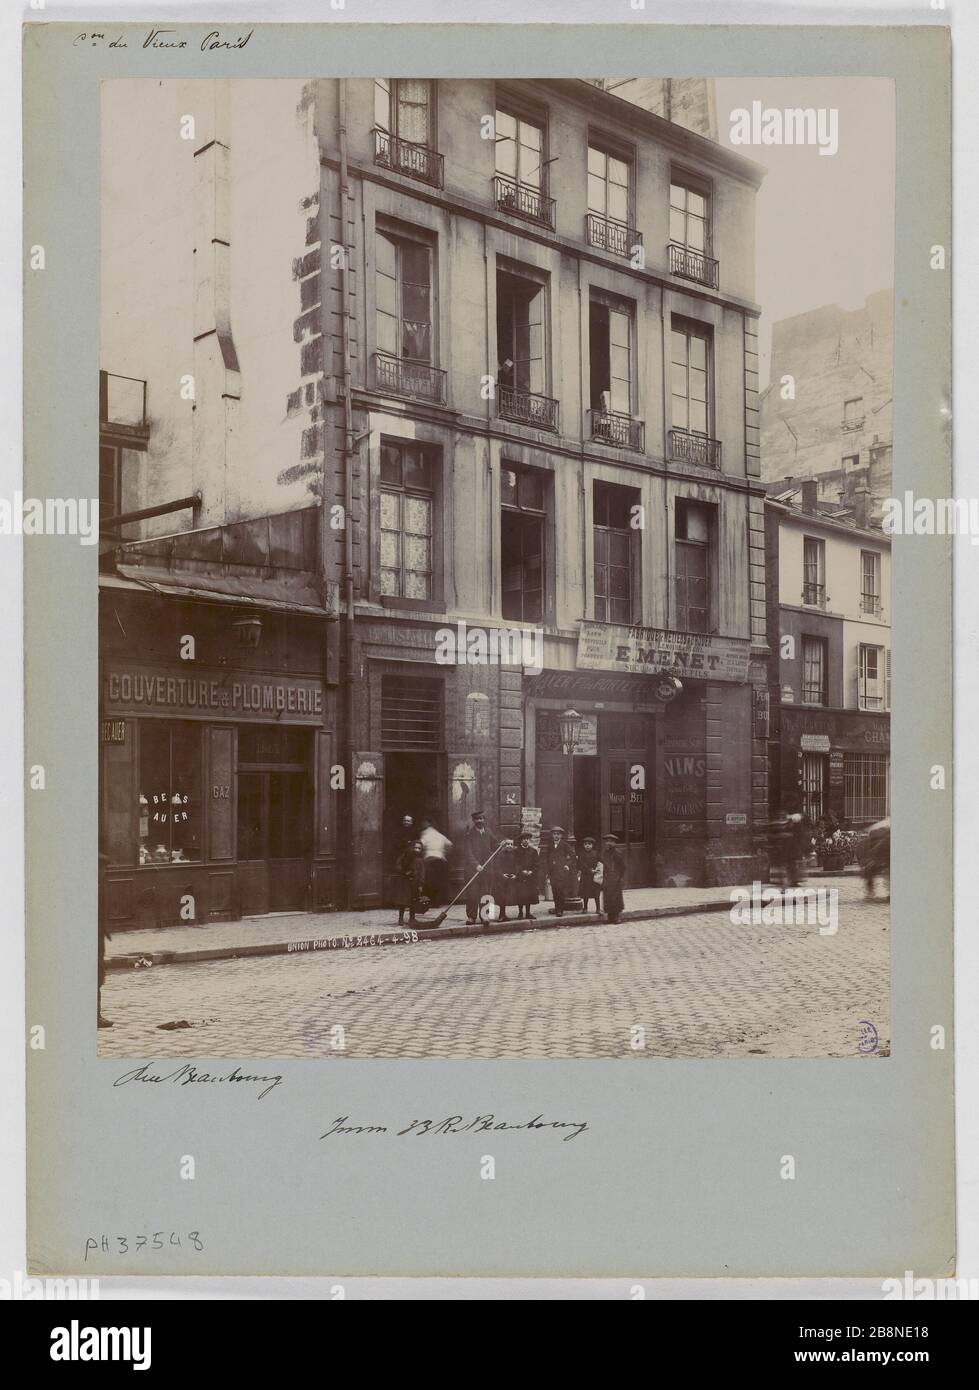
pixel 829 586
pixel 466 359
pixel 826 413
pixel 540 372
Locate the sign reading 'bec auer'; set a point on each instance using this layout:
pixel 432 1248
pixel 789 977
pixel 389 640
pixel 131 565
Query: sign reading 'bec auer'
pixel 651 651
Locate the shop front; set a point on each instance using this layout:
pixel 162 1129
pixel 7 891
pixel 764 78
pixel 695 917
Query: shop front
pixel 216 798
pixel 836 762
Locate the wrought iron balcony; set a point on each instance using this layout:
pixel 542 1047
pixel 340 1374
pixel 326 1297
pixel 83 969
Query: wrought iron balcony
pixel 405 378
pixel 540 412
pixel 870 603
pixel 814 594
pixel 523 201
pixel 417 161
pixel 612 427
pixel 687 447
pixel 608 235
pixel 122 405
pixel 693 265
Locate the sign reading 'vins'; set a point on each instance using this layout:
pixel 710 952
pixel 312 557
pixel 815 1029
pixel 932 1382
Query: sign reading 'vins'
pixel 651 650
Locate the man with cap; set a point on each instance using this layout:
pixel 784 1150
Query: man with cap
pixel 478 844
pixel 613 878
pixel 590 873
pixel 562 870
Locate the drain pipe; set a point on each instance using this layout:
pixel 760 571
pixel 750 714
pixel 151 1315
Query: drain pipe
pixel 349 450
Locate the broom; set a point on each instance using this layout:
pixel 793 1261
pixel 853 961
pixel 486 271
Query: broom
pixel 437 921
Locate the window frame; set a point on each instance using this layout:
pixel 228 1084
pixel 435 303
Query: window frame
pixel 394 107
pixel 435 602
pixel 510 104
pixel 820 581
pixel 822 645
pixel 874 593
pixel 635 557
pixel 514 271
pixel 628 308
pixel 879 678
pixel 545 516
pixel 401 235
pixel 610 148
pixel 169 727
pixel 693 328
pixel 704 188
pixel 708 547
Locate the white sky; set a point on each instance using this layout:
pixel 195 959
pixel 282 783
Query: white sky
pixel 825 231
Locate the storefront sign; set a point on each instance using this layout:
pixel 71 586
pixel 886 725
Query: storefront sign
pixel 736 818
pixel 209 694
pixel 836 769
pixel 814 743
pixel 761 711
pixel 856 731
pixel 113 731
pixel 684 786
pixel 654 651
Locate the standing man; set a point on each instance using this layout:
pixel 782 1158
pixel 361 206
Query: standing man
pixel 562 870
pixel 613 878
pixel 436 847
pixel 477 845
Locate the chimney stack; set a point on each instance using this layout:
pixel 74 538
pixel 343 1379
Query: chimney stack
pixel 810 491
pixel 861 506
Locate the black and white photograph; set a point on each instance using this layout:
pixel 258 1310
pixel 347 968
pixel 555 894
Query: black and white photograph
pixel 494 567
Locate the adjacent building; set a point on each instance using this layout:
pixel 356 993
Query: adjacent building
pixel 827 413
pixel 829 630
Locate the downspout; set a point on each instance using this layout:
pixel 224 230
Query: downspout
pixel 348 493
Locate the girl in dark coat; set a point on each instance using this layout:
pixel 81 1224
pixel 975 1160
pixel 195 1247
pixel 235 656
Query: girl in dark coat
pixel 591 872
pixel 409 880
pixel 613 874
pixel 528 865
pixel 506 879
pixel 562 870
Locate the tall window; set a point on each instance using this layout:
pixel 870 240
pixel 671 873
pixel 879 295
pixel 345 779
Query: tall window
pixel 522 531
pixel 813 570
pixel 170 822
pixel 404 107
pixel 690 378
pixel 814 663
pixel 616 546
pixel 813 786
pixel 608 185
pixel 870 581
pixel 693 527
pixel 520 332
pixel 866 794
pixel 853 412
pixel 407 520
pixel 870 677
pixel 520 150
pixel 690 216
pixel 404 298
pixel 610 348
pixel 110 481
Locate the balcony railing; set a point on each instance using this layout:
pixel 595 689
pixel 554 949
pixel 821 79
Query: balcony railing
pixel 405 378
pixel 612 427
pixel 870 603
pixel 523 201
pixel 687 447
pixel 529 408
pixel 814 594
pixel 122 405
pixel 417 161
pixel 693 265
pixel 608 235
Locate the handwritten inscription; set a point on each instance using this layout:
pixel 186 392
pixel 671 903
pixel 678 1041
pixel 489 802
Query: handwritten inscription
pixel 165 38
pixel 457 1124
pixel 188 1075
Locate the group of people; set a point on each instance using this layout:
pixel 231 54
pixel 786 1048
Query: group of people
pixel 508 873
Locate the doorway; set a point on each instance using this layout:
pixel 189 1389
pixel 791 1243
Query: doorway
pixel 275 818
pixel 413 785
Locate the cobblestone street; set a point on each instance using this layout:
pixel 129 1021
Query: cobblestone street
pixel 699 986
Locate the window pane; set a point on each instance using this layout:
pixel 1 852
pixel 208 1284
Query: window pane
pixel 596 162
pixel 390 583
pixel 678 226
pixel 508 486
pixel 531 135
pixel 386 256
pixel 618 203
pixel 696 203
pixel 678 196
pixel 679 351
pixel 596 194
pixel 417 585
pixel 695 234
pixel 382 103
pixel 681 416
pixel 154 792
pixel 601 546
pixel 391 549
pixel 418 516
pixel 390 511
pixel 532 491
pixel 185 793
pixel 390 467
pixel 618 172
pixel 418 554
pixel 698 417
pixel 698 352
pixel 619 544
pixel 418 469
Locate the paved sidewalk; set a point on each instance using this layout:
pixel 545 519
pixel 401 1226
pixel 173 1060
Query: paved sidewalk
pixel 288 933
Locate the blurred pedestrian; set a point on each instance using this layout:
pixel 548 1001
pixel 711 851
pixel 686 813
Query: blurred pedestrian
pixel 410 876
pixel 437 848
pixel 528 871
pixel 613 878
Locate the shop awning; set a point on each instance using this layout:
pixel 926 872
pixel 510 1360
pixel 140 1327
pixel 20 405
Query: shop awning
pixel 284 595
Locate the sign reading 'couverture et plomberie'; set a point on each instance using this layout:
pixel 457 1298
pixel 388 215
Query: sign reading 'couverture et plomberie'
pixel 651 650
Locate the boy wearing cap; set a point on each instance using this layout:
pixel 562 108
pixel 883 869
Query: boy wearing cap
pixel 591 872
pixel 562 870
